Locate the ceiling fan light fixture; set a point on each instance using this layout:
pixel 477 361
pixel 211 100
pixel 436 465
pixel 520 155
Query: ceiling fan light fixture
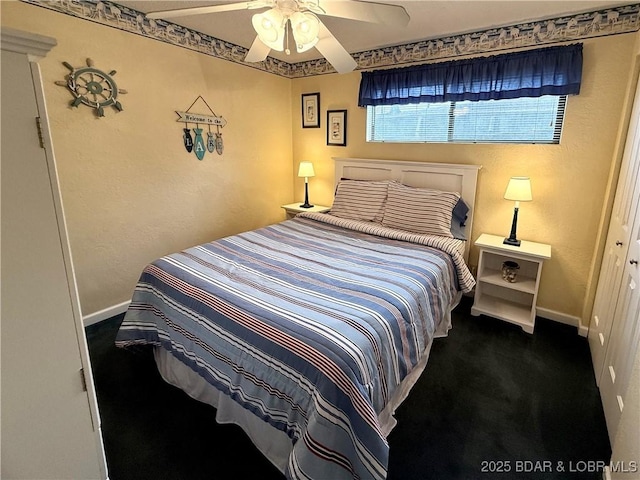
pixel 270 28
pixel 305 27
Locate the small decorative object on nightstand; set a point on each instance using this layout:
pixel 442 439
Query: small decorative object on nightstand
pixel 295 208
pixel 519 190
pixel 510 271
pixel 508 280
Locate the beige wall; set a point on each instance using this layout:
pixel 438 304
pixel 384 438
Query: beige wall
pixel 131 192
pixel 569 180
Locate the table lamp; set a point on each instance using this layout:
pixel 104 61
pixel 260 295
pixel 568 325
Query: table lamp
pixel 306 171
pixel 518 190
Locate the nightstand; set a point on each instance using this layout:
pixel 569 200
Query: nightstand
pixel 294 208
pixel 496 297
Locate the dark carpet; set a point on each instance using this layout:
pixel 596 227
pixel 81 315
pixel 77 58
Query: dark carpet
pixel 493 403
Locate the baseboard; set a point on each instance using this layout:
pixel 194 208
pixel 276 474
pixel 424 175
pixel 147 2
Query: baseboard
pixel 105 313
pixel 583 331
pixel 563 318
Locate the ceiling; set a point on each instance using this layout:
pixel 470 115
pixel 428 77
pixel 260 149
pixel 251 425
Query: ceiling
pixel 429 19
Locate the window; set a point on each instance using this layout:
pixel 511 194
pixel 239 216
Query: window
pixel 517 97
pixel 517 120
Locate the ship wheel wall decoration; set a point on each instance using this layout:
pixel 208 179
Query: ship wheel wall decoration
pixel 92 87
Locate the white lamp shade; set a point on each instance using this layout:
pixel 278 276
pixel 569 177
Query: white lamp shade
pixel 270 28
pixel 519 189
pixel 306 169
pixel 305 27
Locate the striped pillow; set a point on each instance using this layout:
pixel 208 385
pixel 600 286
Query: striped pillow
pixel 419 210
pixel 360 200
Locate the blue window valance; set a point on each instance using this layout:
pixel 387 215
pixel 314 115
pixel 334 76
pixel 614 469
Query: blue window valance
pixel 531 73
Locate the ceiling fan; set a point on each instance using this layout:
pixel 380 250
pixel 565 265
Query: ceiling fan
pixel 301 17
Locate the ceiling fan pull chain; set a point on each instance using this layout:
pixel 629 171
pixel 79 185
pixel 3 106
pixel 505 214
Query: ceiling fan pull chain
pixel 286 35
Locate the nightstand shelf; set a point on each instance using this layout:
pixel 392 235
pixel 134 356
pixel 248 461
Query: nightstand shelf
pixel 524 284
pixel 494 296
pixel 506 310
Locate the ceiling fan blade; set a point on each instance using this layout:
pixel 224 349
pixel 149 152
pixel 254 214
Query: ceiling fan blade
pixel 393 15
pixel 184 12
pixel 335 53
pixel 257 52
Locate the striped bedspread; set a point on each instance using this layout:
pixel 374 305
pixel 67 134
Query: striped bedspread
pixel 310 324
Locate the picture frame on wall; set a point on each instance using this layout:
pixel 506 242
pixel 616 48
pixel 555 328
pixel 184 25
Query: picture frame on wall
pixel 337 127
pixel 311 110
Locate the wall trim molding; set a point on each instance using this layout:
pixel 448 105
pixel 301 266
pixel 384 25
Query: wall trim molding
pixel 105 313
pixel 543 32
pixel 560 317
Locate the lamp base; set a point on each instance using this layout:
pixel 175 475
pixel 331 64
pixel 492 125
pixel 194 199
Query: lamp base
pixel 512 241
pixel 306 203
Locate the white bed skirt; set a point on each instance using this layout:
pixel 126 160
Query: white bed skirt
pixel 273 443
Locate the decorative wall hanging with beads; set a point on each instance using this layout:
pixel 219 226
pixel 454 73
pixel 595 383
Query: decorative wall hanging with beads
pixel 196 144
pixel 92 87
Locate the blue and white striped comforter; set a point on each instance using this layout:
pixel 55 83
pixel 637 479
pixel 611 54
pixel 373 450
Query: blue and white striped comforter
pixel 310 324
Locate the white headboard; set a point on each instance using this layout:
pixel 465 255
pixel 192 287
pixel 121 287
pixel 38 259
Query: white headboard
pixel 439 176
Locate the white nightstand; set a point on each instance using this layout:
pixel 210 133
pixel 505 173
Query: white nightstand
pixel 294 208
pixel 495 296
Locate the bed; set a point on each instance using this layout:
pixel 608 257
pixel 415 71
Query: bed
pixel 310 333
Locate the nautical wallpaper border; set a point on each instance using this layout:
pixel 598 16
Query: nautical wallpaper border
pixel 610 21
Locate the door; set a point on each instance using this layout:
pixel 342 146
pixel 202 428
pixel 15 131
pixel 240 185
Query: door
pixel 617 245
pixel 625 332
pixel 50 428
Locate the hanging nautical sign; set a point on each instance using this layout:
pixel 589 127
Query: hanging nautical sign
pixel 198 145
pixel 211 142
pixel 92 87
pixel 187 117
pixel 188 141
pixel 219 144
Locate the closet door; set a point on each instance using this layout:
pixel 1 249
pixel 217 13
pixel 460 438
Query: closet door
pixel 617 245
pixel 625 332
pixel 50 425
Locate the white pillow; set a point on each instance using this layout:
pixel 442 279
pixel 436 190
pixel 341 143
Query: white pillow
pixel 360 200
pixel 419 210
